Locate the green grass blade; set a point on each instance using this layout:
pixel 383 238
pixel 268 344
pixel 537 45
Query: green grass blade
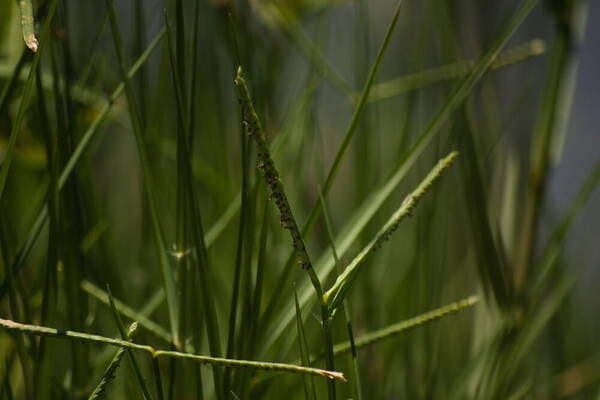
pixel 336 294
pixel 553 247
pixel 309 384
pixel 279 15
pixel 125 336
pixel 27 25
pixel 29 86
pixel 456 70
pixel 360 105
pixel 549 132
pixel 75 157
pixel 491 263
pixel 345 302
pixel 163 260
pixel 276 191
pixel 127 311
pixel 100 390
pixel 407 325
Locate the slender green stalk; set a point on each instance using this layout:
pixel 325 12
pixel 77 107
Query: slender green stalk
pixel 287 220
pixel 404 326
pixel 459 69
pixel 278 14
pixel 126 336
pixel 345 302
pixel 109 374
pixel 550 129
pixel 127 311
pixel 309 384
pixel 255 131
pixel 336 294
pixel 358 110
pixel 75 157
pixel 163 260
pixel 215 361
pixel 29 87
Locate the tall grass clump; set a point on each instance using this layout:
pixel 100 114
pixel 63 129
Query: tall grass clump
pixel 290 199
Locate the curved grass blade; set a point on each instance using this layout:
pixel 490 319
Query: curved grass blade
pixel 258 365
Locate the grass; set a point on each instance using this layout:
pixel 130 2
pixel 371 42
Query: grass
pixel 423 256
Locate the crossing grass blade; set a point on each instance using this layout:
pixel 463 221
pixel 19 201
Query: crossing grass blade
pixel 126 336
pixel 101 389
pixel 163 260
pixel 75 157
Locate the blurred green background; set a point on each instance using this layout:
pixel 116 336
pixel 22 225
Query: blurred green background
pixel 515 221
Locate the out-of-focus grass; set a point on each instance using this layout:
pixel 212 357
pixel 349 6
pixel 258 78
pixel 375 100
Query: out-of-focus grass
pixel 126 163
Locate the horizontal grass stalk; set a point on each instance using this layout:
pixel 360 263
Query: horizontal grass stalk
pixel 215 361
pixel 336 294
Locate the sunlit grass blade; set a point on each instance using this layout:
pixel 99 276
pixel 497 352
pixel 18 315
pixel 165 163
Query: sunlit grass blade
pixel 101 389
pixel 336 294
pixel 163 260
